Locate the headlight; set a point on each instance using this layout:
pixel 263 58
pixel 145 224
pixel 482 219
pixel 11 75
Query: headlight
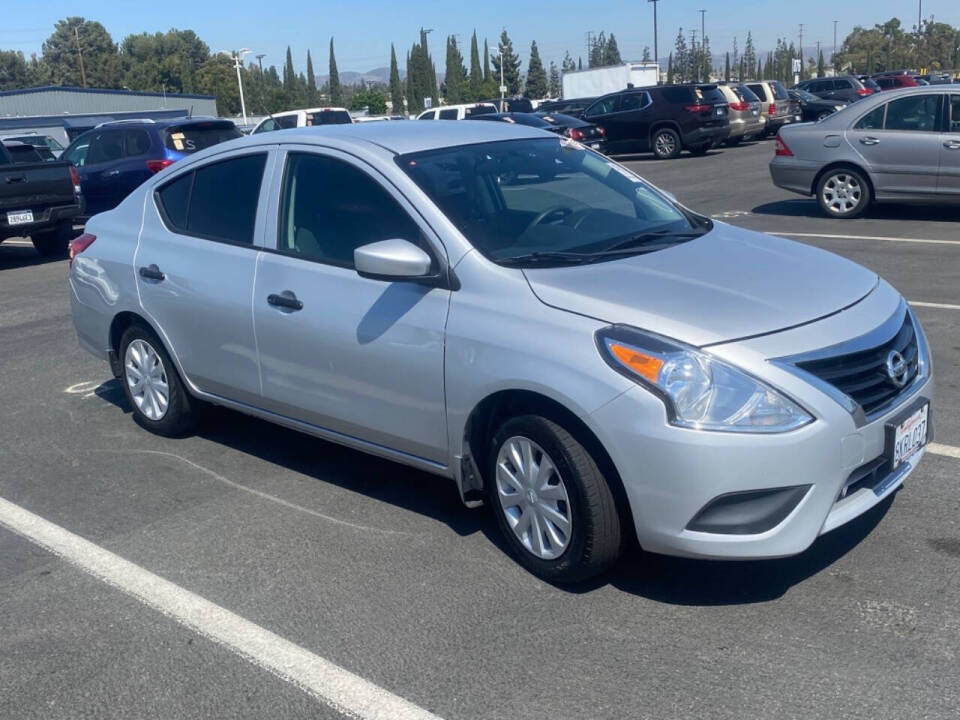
pixel 838 108
pixel 700 391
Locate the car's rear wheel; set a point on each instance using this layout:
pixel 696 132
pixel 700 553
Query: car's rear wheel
pixel 53 243
pixel 153 388
pixel 666 143
pixel 843 193
pixel 551 501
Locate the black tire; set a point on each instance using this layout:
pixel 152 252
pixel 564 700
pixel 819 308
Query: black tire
pixel 53 243
pixel 180 415
pixel 594 540
pixel 665 143
pixel 699 149
pixel 733 142
pixel 840 207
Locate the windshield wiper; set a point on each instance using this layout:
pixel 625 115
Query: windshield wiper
pixel 565 258
pixel 634 240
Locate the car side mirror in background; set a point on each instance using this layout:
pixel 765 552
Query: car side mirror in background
pixel 392 260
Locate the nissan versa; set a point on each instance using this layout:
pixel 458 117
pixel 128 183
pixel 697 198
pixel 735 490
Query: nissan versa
pixel 509 309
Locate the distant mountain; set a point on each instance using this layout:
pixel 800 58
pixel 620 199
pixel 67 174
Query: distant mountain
pixel 351 77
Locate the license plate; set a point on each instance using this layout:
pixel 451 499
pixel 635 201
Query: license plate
pixel 909 435
pixel 718 112
pixel 20 217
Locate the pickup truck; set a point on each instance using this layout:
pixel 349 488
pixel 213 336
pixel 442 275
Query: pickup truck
pixel 39 200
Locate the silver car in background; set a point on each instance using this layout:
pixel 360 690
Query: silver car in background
pixel 896 146
pixel 746 120
pixel 515 312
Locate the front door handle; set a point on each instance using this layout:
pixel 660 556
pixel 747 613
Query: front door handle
pixel 111 173
pixel 869 140
pixel 15 178
pixel 952 144
pixel 151 272
pixel 285 300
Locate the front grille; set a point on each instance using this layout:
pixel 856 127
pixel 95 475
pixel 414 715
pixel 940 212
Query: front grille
pixel 863 375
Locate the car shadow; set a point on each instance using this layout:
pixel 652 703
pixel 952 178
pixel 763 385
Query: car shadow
pixel 808 207
pixel 670 580
pixel 20 256
pixel 650 157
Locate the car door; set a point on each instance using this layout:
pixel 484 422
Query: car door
pixel 100 170
pixel 356 356
pixel 949 181
pixel 902 153
pixel 195 265
pixel 132 170
pixel 603 112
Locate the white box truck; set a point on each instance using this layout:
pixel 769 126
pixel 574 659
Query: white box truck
pixel 603 80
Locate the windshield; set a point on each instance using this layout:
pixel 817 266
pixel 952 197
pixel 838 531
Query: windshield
pixel 518 198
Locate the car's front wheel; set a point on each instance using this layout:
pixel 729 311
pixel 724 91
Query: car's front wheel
pixel 843 193
pixel 153 388
pixel 666 143
pixel 551 500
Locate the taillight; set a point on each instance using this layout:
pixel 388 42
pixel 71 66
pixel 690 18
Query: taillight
pixel 864 91
pixel 79 244
pixel 156 166
pixel 75 178
pixel 698 108
pixel 740 106
pixel 780 148
pixel 576 134
pixel 772 110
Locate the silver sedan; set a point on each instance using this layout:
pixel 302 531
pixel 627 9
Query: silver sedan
pixel 901 146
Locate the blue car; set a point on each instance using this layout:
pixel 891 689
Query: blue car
pixel 114 158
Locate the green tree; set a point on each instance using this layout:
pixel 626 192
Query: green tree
pixel 598 50
pixel 821 65
pixel 455 79
pixel 536 75
pixel 218 77
pixel 726 68
pixel 73 38
pixel 706 60
pixel 289 75
pixel 486 62
pixel 396 89
pixel 671 78
pixel 612 53
pixel 509 62
pixel 13 70
pixel 335 91
pixel 749 56
pixel 681 58
pixel 372 99
pixel 554 85
pixel 568 64
pixel 313 96
pixel 163 61
pixel 476 70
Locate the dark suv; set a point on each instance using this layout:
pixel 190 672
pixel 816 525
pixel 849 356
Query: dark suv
pixel 844 87
pixel 663 120
pixel 114 158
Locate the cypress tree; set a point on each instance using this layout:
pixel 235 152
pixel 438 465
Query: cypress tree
pixel 646 54
pixel 311 82
pixel 670 70
pixel 336 92
pixel 554 84
pixel 476 71
pixel 456 74
pixel 289 76
pixel 486 62
pixel 536 75
pixel 511 65
pixel 612 55
pixel 598 50
pixel 726 68
pixel 568 63
pixel 413 104
pixel 396 89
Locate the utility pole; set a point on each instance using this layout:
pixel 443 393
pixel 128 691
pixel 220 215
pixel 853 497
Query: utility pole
pixel 919 25
pixel 703 44
pixel 503 88
pixel 693 55
pixel 589 35
pixel 83 74
pixel 656 49
pixel 260 58
pixel 800 50
pixel 818 58
pixel 237 63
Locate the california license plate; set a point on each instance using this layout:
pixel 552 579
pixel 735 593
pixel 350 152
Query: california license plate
pixel 909 435
pixel 20 217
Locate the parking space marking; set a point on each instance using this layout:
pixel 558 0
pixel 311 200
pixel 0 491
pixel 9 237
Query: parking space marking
pixel 828 236
pixel 341 689
pixel 946 450
pixel 942 306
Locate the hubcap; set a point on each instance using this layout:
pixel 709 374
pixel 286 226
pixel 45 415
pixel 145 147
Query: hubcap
pixel 147 379
pixel 842 193
pixel 665 144
pixel 533 498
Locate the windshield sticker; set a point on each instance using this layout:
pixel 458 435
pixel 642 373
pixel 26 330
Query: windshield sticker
pixel 178 140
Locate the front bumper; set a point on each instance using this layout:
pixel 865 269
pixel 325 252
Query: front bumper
pixel 671 474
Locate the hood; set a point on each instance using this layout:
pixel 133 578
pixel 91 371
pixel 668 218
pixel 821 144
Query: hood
pixel 726 285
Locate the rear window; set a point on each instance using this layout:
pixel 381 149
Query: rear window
pixel 758 90
pixel 198 136
pixel 480 110
pixel 678 95
pixel 746 94
pixel 329 117
pixel 779 91
pixel 23 153
pixel 710 94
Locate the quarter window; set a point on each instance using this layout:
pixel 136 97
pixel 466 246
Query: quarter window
pixel 330 208
pixel 174 198
pixel 918 112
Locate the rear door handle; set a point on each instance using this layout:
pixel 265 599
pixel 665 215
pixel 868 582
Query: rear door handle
pixel 952 145
pixel 111 173
pixel 15 178
pixel 151 272
pixel 869 140
pixel 286 300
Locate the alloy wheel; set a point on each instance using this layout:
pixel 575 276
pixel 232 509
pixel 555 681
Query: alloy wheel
pixel 665 144
pixel 533 498
pixel 147 379
pixel 842 193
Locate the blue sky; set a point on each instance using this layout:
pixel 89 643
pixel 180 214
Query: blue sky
pixel 364 29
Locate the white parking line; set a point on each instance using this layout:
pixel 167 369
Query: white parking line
pixel 942 306
pixel 947 450
pixel 329 683
pixel 864 237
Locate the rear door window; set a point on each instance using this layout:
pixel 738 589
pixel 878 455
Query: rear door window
pixel 135 142
pixel 105 146
pixel 634 101
pixel 448 114
pixel 746 94
pixel 603 106
pixel 917 113
pixel 955 113
pixel 198 136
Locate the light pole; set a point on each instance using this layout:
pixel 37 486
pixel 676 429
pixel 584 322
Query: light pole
pixel 703 44
pixel 260 58
pixel 833 57
pixel 237 56
pixel 656 49
pixel 503 88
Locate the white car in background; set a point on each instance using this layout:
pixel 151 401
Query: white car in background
pixel 308 117
pixel 457 112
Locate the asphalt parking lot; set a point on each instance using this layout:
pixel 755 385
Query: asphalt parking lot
pixel 317 555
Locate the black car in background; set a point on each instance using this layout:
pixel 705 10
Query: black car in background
pixel 587 133
pixel 843 87
pixel 663 120
pixel 813 108
pixel 574 108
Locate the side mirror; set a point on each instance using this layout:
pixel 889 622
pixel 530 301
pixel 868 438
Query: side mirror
pixel 392 260
pixel 670 195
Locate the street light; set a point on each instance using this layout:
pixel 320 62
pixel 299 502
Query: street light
pixel 656 49
pixel 237 56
